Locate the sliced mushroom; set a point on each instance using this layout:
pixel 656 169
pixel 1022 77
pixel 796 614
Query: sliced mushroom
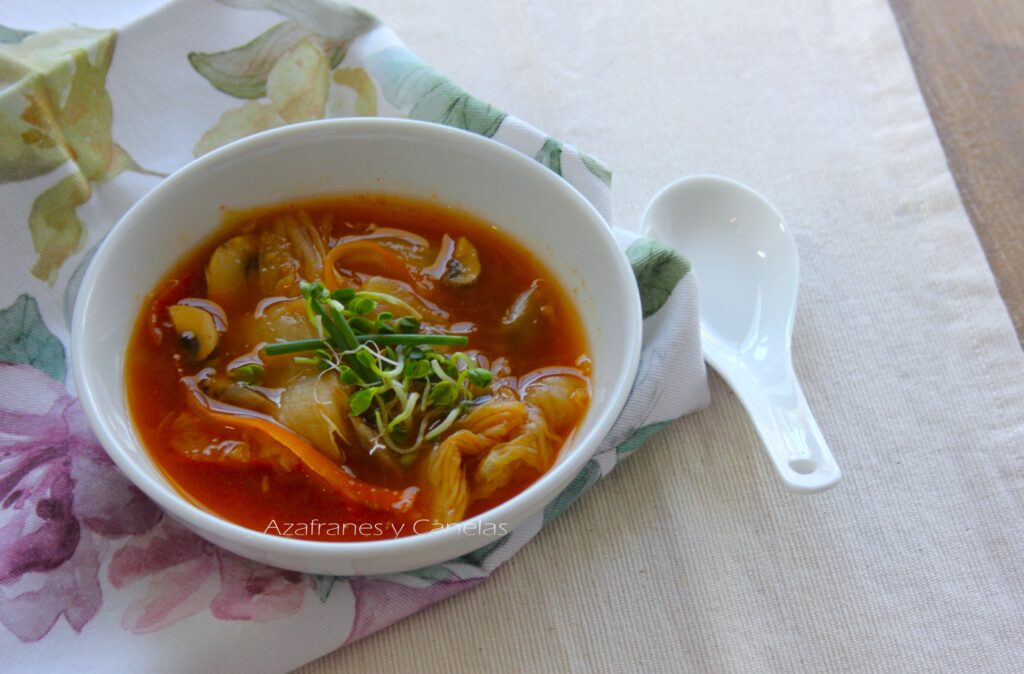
pixel 444 253
pixel 457 263
pixel 229 266
pixel 257 398
pixel 464 266
pixel 196 327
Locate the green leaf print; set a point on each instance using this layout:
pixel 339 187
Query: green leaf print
pixel 602 172
pixel 359 81
pixel 30 141
pixel 297 84
pixel 242 72
pixel 60 75
pixel 88 114
pixel 431 574
pixel 586 478
pixel 25 339
pixel 639 437
pixel 331 19
pixel 238 123
pixel 13 35
pixel 550 155
pixel 57 232
pixel 324 585
pixel 120 161
pixel 54 109
pixel 286 71
pixel 479 556
pixel 411 85
pixel 297 88
pixel 657 269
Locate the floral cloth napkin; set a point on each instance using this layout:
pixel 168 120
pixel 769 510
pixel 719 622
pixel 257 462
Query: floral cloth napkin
pixel 92 576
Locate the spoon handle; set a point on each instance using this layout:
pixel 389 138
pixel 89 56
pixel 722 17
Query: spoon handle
pixel 790 434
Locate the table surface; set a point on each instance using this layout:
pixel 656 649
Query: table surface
pixel 968 57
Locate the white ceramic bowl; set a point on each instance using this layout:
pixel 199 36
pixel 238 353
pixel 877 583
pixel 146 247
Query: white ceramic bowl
pixel 504 187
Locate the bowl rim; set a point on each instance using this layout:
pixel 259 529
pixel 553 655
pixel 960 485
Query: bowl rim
pixel 532 499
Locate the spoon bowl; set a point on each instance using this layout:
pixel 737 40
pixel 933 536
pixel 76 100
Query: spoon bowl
pixel 748 271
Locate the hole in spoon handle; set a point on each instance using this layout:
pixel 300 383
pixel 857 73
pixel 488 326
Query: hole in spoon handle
pixel 790 434
pixel 803 466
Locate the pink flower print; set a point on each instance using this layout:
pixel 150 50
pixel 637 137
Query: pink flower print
pixel 381 602
pixel 59 495
pixel 186 575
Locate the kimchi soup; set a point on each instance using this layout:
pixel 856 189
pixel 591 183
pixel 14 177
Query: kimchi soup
pixel 379 365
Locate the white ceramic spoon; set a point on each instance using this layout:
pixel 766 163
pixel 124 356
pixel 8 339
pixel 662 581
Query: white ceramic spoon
pixel 747 272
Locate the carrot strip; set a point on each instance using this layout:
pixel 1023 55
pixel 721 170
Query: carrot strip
pixel 355 490
pixel 385 262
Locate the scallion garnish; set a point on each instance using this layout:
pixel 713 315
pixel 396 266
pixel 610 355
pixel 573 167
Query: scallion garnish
pixel 403 387
pixel 249 373
pixel 300 345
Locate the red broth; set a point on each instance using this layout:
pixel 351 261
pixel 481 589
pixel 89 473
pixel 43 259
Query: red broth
pixel 215 464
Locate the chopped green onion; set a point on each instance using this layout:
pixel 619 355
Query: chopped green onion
pixel 417 369
pixel 440 340
pixel 282 348
pixel 407 324
pixel 361 326
pixel 361 304
pixel 365 359
pixel 348 375
pixel 343 338
pixel 393 301
pixel 442 394
pixel 250 373
pixel 480 376
pixel 360 401
pixel 398 381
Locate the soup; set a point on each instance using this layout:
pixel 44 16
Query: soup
pixel 355 368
